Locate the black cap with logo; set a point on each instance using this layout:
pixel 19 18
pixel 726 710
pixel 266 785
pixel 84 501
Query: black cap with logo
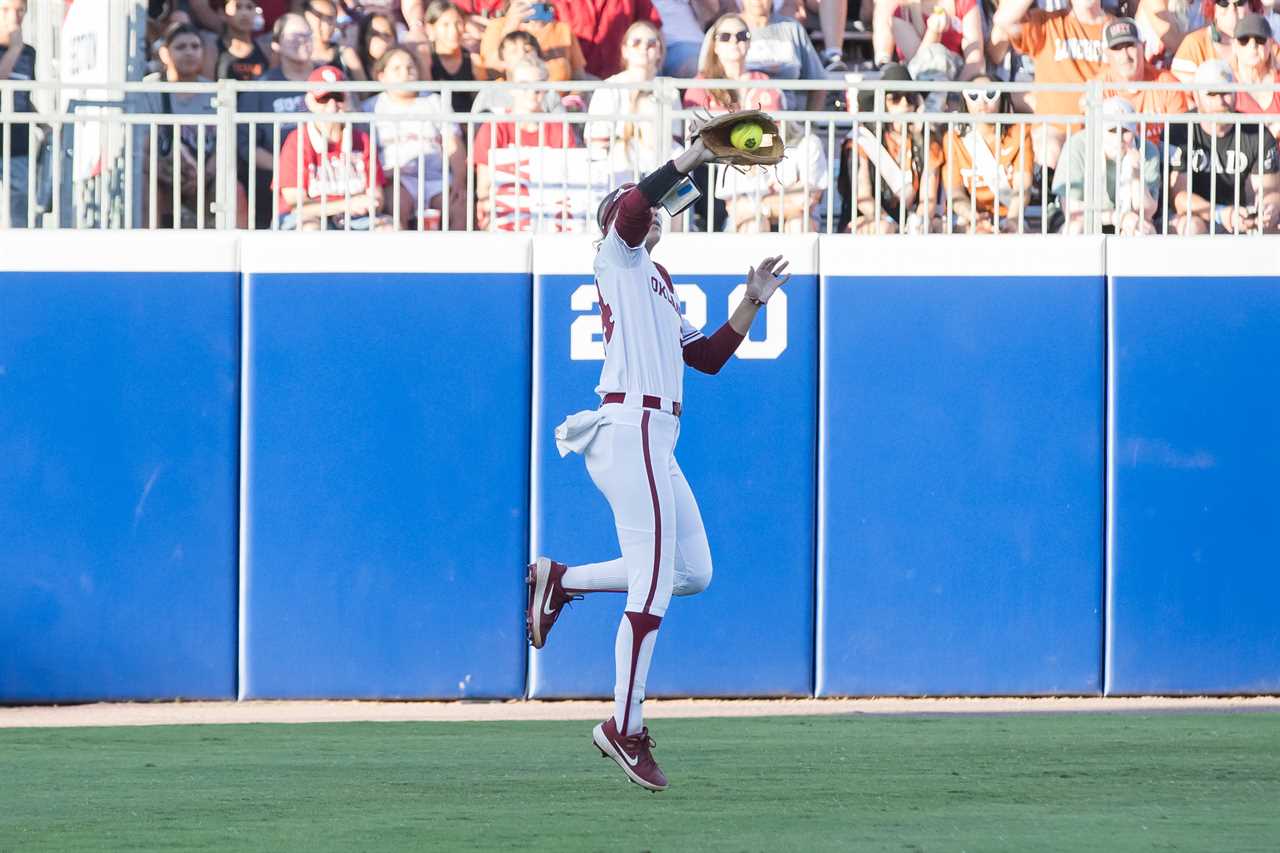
pixel 1120 32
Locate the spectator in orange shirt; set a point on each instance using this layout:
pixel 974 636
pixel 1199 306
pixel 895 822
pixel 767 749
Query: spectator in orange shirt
pixel 560 49
pixel 1127 63
pixel 893 166
pixel 986 176
pixel 1255 62
pixel 1067 48
pixel 1214 41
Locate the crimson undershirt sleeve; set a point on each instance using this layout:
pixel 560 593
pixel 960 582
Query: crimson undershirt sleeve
pixel 708 355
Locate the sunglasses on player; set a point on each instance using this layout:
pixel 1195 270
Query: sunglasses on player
pixel 645 43
pixel 329 98
pixel 975 96
pixel 740 35
pixel 1245 41
pixel 1225 3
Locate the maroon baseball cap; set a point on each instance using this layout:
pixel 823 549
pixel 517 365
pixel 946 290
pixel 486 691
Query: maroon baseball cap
pixel 326 74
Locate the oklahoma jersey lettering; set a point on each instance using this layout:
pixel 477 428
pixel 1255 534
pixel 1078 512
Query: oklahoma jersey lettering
pixel 644 331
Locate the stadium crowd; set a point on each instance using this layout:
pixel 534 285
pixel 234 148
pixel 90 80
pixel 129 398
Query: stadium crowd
pixel 411 167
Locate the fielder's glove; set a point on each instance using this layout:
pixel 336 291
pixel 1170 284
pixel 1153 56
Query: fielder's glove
pixel 716 138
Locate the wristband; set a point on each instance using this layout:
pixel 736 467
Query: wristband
pixel 1218 213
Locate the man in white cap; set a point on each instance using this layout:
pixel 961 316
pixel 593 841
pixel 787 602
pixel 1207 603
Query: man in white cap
pixel 1223 176
pixel 1131 188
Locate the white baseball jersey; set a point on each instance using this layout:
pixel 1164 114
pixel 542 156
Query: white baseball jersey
pixel 644 331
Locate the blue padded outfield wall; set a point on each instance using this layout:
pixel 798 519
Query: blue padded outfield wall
pixel 1195 433
pixel 386 447
pixel 963 432
pixel 279 466
pixel 119 400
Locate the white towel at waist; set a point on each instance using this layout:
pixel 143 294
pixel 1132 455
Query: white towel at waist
pixel 577 431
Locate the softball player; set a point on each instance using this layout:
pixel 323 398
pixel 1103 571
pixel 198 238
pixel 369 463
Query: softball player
pixel 629 446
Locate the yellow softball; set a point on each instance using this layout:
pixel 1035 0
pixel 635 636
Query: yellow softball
pixel 746 136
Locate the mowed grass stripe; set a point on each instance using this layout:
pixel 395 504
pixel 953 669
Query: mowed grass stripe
pixel 1032 782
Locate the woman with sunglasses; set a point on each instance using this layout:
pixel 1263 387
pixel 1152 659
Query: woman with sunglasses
pixel 989 165
pixel 1215 41
pixel 630 146
pixel 1255 62
pixel 724 57
pixel 892 165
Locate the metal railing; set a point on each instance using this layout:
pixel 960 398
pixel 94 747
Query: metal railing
pixel 117 162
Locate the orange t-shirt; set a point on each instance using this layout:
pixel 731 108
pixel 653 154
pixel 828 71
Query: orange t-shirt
pixel 1168 101
pixel 1197 47
pixel 1066 50
pixel 1015 157
pixel 560 50
pixel 902 152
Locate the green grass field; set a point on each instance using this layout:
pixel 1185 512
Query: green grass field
pixel 1028 783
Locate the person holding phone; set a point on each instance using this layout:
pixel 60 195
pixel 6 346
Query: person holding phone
pixel 560 48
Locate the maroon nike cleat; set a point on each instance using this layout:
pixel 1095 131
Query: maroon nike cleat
pixel 547 597
pixel 632 754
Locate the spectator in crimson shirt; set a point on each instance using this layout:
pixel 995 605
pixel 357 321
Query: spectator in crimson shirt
pixel 531 135
pixel 330 177
pixel 601 27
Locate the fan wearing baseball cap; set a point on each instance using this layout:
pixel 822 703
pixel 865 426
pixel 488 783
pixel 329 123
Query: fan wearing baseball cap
pixel 1213 41
pixel 329 175
pixel 1127 63
pixel 1223 177
pixel 1255 61
pixel 1131 189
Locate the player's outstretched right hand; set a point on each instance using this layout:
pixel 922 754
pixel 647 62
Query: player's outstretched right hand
pixel 764 279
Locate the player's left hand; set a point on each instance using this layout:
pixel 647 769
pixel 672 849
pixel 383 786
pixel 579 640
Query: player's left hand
pixel 764 279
